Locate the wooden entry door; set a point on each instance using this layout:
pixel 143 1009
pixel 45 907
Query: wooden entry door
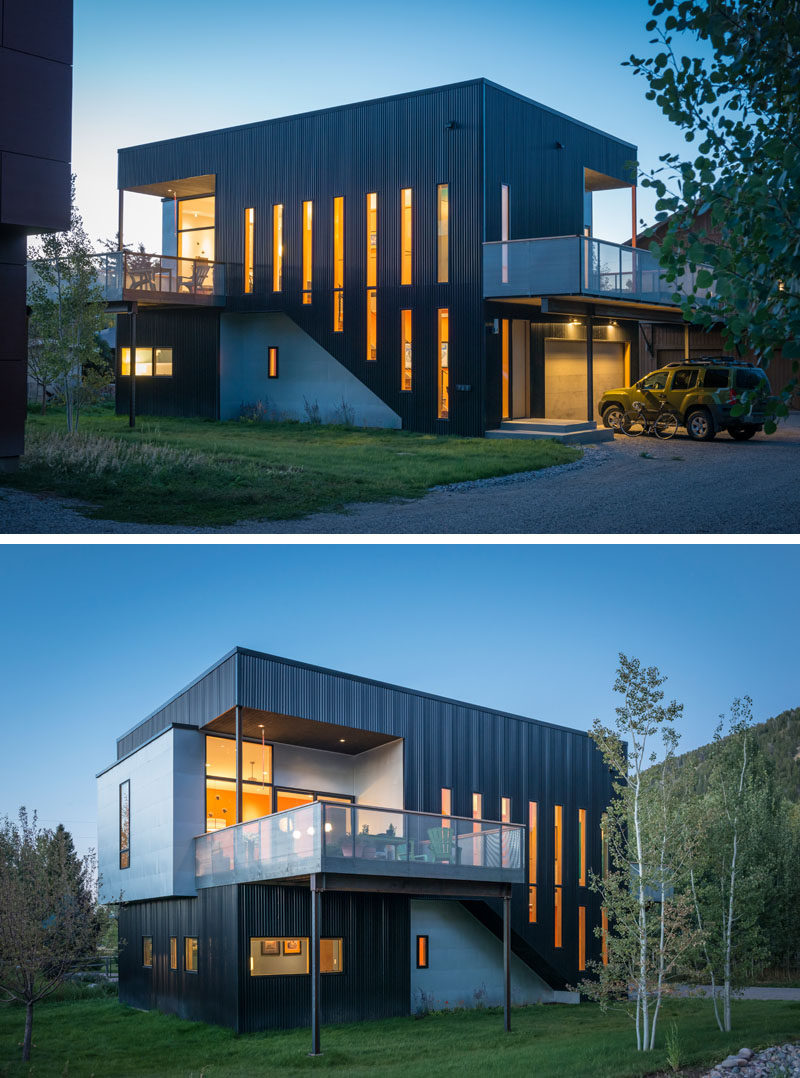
pixel 520 368
pixel 565 375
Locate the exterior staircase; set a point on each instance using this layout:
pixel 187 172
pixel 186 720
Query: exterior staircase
pixel 569 431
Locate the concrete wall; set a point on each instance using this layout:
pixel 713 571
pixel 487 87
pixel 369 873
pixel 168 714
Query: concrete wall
pixel 305 372
pixel 466 963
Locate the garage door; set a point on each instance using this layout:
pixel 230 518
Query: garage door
pixel 565 376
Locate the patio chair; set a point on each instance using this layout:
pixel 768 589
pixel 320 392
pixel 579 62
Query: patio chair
pixel 443 845
pixel 405 852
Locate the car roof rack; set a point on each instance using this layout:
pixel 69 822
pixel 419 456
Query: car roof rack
pixel 711 360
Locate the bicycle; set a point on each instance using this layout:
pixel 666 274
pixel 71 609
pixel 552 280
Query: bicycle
pixel 663 423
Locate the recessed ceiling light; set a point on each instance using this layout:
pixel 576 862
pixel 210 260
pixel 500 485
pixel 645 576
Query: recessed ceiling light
pixel 341 741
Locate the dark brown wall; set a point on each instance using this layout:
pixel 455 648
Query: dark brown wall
pixel 35 134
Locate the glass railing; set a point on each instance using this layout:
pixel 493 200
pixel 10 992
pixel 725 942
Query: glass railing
pixel 121 274
pixel 576 265
pixel 326 837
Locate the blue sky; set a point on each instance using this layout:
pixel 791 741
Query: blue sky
pixel 93 638
pixel 173 69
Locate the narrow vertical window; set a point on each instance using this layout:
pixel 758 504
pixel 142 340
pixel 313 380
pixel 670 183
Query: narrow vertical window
pixel 277 248
pixel 444 363
pixel 504 366
pixel 422 952
pixel 477 811
pixel 190 954
pixel 338 264
pixel 557 842
pixel 533 812
pixel 442 233
pixel 405 236
pixel 173 952
pixel 581 847
pixel 125 824
pixel 272 362
pixel 557 924
pixel 447 805
pixel 505 809
pixel 405 323
pixel 504 230
pixel 147 950
pixel 249 237
pixel 372 325
pixel 604 852
pixel 307 250
pixel 372 277
pixel 581 937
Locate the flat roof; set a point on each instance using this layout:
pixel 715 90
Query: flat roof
pixel 350 677
pixel 378 100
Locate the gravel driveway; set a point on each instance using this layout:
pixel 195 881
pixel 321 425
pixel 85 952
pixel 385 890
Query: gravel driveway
pixel 638 485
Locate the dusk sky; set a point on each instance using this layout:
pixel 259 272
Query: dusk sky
pixel 185 67
pixel 93 638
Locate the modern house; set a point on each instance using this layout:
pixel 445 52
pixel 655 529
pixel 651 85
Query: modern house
pixel 294 844
pixel 35 138
pixel 424 261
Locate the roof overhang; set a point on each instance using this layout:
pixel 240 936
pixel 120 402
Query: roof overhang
pixel 186 188
pixel 291 730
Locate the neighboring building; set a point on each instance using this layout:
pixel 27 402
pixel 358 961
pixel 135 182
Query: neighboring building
pixel 404 834
pixel 661 343
pixel 426 259
pixel 35 136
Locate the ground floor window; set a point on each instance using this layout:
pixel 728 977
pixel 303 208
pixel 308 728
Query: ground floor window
pixel 273 956
pixel 149 362
pixel 190 954
pixel 173 952
pixel 147 950
pixel 422 952
pixel 272 362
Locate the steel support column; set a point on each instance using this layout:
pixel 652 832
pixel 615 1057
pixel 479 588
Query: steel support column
pixel 507 962
pixel 316 911
pixel 132 400
pixel 238 764
pixel 589 371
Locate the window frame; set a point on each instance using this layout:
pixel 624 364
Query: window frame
pixel 173 953
pixel 406 236
pixel 422 951
pixel 273 361
pixel 442 234
pixel 248 278
pixel 186 941
pixel 582 867
pixel 307 252
pixel 338 263
pixel 443 383
pixel 147 940
pixel 278 246
pixel 304 940
pixel 125 851
pixel 152 349
pixel 406 350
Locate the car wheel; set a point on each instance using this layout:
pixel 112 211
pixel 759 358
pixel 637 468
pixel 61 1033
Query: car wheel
pixel 741 434
pixel 700 425
pixel 612 416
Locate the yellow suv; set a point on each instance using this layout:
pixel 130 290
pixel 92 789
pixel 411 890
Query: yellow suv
pixel 701 393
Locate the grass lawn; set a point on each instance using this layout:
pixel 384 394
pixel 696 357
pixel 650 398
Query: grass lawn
pixel 99 1037
pixel 202 473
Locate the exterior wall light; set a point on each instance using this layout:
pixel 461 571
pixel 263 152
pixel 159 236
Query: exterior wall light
pixel 328 827
pixel 297 834
pixel 311 831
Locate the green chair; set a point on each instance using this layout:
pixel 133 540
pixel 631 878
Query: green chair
pixel 443 845
pixel 405 852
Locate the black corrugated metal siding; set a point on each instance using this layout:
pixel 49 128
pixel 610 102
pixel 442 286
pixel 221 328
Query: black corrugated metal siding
pixel 210 995
pixel 193 389
pixel 379 146
pixel 199 703
pixel 375 978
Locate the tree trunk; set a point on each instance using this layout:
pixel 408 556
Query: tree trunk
pixel 26 1043
pixel 44 397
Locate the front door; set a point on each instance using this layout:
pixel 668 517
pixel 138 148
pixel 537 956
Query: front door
pixel 520 369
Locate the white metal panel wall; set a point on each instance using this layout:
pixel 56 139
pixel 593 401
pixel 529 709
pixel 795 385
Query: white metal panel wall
pixel 466 962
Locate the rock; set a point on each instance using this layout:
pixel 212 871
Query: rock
pixel 731 1063
pixel 746 1053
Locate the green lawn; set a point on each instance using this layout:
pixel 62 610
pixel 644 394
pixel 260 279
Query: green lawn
pixel 99 1037
pixel 199 472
